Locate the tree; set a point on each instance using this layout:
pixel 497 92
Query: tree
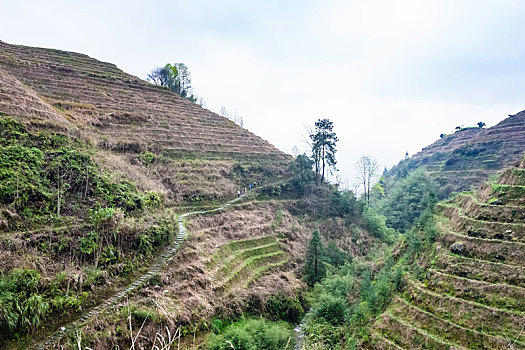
pixel 408 199
pixel 175 77
pixel 323 145
pixel 367 170
pixel 481 124
pixel 160 76
pixel 442 136
pixel 314 269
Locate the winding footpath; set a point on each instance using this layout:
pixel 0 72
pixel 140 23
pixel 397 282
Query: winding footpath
pixel 137 284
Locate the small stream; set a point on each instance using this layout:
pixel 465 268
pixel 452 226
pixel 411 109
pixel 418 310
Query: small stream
pixel 299 336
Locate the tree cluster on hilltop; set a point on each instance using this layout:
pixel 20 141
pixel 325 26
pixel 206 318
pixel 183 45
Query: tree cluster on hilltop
pixel 175 77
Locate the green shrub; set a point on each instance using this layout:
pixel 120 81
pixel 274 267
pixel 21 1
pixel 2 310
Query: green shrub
pixel 217 326
pixel 376 225
pixel 145 244
pixel 140 314
pixel 283 307
pixel 152 199
pixel 42 172
pixel 21 305
pixel 338 285
pixel 321 335
pixel 253 334
pixel 89 243
pixel 147 157
pixel 22 177
pixel 331 309
pixel 334 256
pixel 159 234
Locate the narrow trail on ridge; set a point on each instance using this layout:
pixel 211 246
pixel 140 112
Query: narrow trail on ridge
pixel 157 266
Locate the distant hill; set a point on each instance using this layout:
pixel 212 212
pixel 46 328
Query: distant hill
pixel 469 156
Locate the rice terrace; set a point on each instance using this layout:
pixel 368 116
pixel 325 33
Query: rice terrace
pixel 315 175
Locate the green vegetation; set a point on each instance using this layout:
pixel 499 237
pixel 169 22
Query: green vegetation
pixel 175 77
pixel 22 307
pixel 49 179
pixel 314 269
pixel 345 302
pixel 252 334
pixel 408 199
pixel 324 141
pixel 283 307
pixel 45 173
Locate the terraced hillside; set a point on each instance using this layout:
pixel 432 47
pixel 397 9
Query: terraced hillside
pixel 230 261
pixel 191 153
pixel 239 263
pixel 469 156
pixel 471 294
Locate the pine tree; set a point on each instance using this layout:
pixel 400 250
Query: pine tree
pixel 314 269
pixel 324 141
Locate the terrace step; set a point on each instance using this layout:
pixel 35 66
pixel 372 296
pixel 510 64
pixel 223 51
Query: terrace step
pixel 408 336
pixel 381 343
pixel 448 330
pixel 498 295
pixel 468 314
pixel 481 270
pixel 512 253
pixel 480 228
pixel 469 204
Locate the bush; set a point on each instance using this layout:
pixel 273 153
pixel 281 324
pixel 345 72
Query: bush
pixel 345 203
pixel 147 157
pixel 42 172
pixel 282 307
pixel 89 243
pixel 253 334
pixel 331 309
pixel 21 306
pixel 152 199
pixel 338 285
pixel 334 256
pixel 375 224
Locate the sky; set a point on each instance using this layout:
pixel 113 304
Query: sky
pixel 391 75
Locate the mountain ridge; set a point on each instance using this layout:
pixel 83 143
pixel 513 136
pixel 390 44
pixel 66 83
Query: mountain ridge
pixel 469 156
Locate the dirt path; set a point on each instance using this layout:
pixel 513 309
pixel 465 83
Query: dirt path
pixel 137 284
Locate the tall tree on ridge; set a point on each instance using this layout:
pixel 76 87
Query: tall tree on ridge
pixel 323 144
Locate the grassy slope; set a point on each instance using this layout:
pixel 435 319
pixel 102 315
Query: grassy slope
pixel 101 138
pixel 471 298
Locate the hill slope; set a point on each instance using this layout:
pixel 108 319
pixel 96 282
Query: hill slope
pixel 94 163
pixel 125 117
pixel 125 108
pixel 471 292
pixel 470 155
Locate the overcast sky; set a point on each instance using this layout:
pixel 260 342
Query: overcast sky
pixel 391 75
